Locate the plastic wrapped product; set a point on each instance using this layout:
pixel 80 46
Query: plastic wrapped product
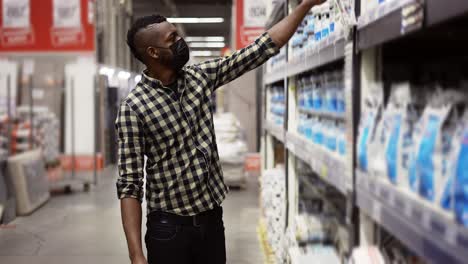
pixel 438 128
pixel 371 115
pixel 409 103
pixel 318 92
pixel 460 170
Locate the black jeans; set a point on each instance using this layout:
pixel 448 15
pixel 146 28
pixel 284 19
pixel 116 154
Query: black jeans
pixel 186 244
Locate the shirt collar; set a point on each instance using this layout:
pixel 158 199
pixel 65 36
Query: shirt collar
pixel 157 84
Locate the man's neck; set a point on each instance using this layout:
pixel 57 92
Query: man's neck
pixel 166 76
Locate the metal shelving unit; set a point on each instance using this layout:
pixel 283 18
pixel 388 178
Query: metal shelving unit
pixel 328 51
pixel 424 229
pixel 327 165
pixel 274 130
pixel 381 24
pixel 276 75
pixel 325 114
pixel 427 231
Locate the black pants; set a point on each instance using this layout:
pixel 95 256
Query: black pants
pixel 186 244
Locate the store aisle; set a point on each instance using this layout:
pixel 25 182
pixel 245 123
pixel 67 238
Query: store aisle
pixel 86 228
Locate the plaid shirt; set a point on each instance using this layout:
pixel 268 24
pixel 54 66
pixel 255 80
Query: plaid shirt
pixel 183 172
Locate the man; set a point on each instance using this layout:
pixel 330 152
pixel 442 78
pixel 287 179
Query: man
pixel 168 119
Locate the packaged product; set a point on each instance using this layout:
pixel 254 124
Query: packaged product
pixel 459 169
pixel 432 156
pixel 372 111
pixel 408 104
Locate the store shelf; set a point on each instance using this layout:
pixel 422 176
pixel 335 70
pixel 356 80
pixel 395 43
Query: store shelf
pixel 427 231
pixel 276 75
pixel 381 24
pixel 438 11
pixel 275 130
pixel 326 114
pixel 328 51
pixel 330 168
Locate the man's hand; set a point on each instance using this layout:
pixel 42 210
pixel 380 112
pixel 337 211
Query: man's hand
pixel 139 260
pixel 284 30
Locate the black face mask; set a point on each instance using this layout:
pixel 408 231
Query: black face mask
pixel 180 54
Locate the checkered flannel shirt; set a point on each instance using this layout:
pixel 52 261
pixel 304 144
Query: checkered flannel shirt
pixel 183 172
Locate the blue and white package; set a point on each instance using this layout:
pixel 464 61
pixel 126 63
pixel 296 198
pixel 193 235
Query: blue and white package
pixel 408 104
pixel 433 152
pixel 341 140
pixel 368 125
pixel 460 171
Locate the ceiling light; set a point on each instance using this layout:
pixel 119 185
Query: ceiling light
pixel 204 39
pixel 195 20
pixel 205 53
pixel 207 44
pixel 106 71
pixel 124 75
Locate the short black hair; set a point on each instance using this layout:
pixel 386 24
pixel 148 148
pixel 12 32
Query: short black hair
pixel 139 24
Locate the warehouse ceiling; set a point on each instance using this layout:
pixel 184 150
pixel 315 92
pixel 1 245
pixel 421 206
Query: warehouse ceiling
pixel 191 8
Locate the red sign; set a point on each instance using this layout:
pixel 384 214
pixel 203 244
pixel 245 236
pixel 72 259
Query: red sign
pixel 246 33
pixel 47 26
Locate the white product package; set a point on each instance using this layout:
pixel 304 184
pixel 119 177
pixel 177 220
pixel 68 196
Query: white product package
pixel 458 167
pixel 409 102
pixel 372 111
pixel 429 169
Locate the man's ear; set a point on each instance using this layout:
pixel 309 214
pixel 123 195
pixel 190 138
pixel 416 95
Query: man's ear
pixel 152 52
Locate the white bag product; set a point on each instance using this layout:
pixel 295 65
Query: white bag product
pixel 458 168
pixel 376 148
pixel 409 102
pixel 430 165
pixel 371 114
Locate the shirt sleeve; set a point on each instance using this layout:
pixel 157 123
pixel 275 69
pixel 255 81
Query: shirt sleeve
pixel 225 69
pixel 130 154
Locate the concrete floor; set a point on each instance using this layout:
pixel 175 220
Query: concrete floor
pixel 86 228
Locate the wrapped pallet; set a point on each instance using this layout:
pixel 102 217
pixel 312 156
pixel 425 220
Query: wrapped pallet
pixel 232 148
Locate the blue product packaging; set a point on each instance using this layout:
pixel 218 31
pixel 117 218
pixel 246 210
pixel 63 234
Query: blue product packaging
pixel 434 160
pixel 461 177
pixel 391 153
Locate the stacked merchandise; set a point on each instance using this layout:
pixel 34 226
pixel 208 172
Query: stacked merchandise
pixel 277 104
pixel 20 137
pixel 321 98
pixel 316 231
pixel 3 137
pixel 273 200
pixel 232 148
pixel 419 144
pixel 46 131
pixel 321 23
